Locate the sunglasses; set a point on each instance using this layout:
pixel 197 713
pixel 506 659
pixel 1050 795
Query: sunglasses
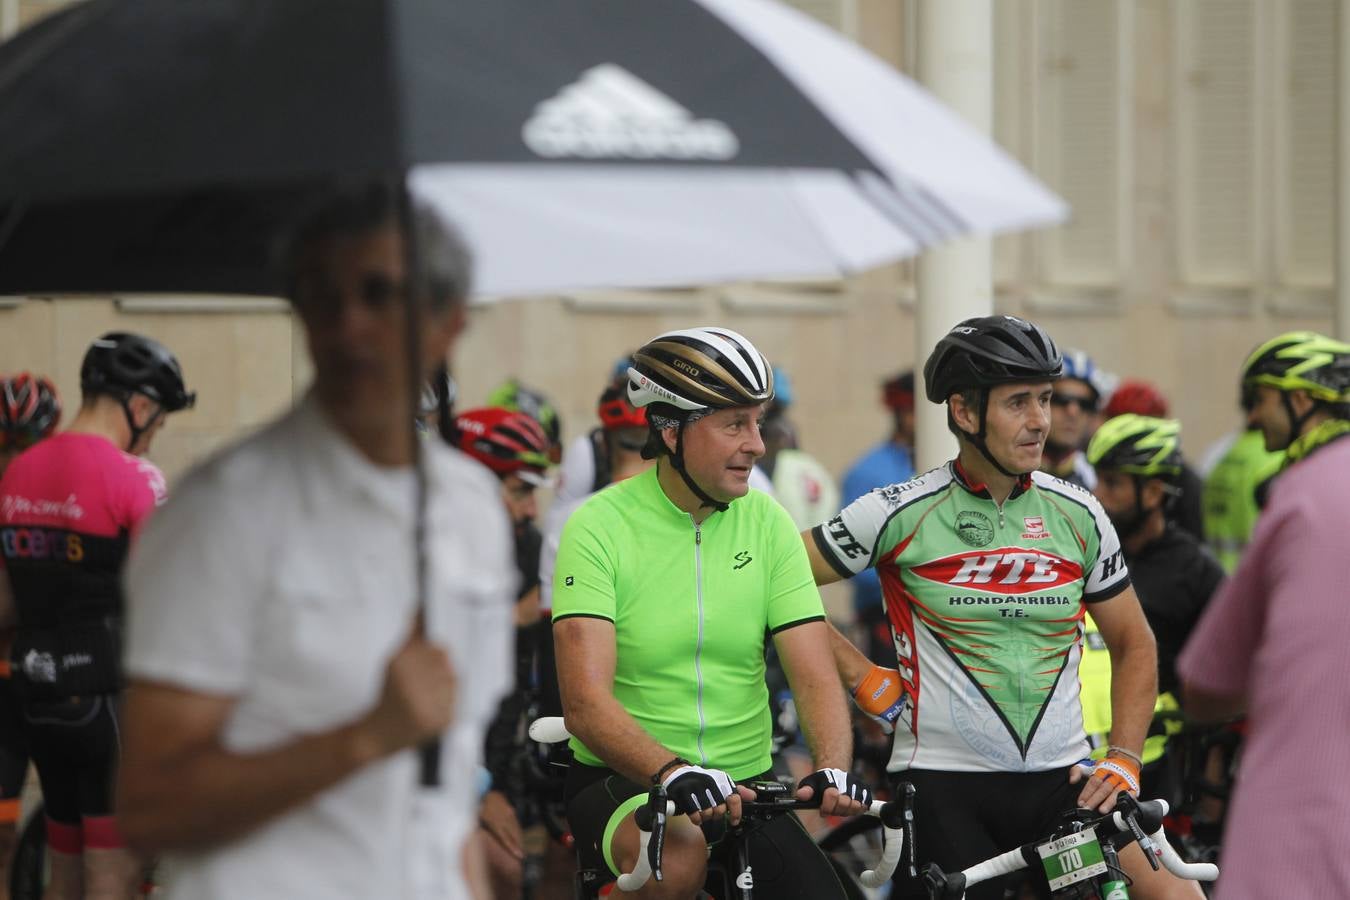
pixel 1086 404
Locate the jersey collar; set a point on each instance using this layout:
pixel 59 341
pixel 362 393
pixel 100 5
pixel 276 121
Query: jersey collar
pixel 980 489
pixel 1319 437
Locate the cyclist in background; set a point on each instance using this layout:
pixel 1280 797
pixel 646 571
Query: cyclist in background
pixel 1143 399
pixel 69 508
pixel 665 586
pixel 988 567
pixel 1235 490
pixel 1138 464
pixel 513 395
pixel 800 483
pixel 1272 641
pixel 1077 398
pixel 29 411
pixel 514 446
pixel 890 462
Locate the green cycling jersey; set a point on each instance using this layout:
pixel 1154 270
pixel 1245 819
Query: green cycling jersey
pixel 691 606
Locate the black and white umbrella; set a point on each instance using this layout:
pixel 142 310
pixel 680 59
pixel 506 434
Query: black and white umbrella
pixel 158 145
pixel 150 145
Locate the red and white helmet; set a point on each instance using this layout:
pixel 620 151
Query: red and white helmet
pixel 506 441
pixel 29 411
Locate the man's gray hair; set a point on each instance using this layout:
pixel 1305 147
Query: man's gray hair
pixel 353 210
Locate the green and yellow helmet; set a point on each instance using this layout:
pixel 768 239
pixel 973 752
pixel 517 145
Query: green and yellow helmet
pixel 1138 445
pixel 1300 361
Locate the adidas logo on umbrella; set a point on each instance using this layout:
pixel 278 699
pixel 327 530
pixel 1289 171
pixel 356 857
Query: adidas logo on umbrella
pixel 610 113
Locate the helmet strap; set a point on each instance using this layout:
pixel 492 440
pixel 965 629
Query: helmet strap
pixel 979 442
pixel 1296 422
pixel 136 432
pixel 677 462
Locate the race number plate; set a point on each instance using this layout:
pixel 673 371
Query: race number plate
pixel 1072 859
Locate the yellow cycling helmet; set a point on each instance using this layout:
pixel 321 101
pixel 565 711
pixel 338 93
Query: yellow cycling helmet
pixel 1300 361
pixel 1138 445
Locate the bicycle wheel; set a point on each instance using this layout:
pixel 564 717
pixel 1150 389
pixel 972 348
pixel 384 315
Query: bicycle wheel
pixel 28 873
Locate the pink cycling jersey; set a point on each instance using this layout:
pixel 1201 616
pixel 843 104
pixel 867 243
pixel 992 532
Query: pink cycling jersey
pixel 69 507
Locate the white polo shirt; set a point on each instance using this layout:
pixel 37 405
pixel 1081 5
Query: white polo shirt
pixel 281 573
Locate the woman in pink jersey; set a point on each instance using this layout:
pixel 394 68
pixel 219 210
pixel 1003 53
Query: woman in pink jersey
pixel 69 508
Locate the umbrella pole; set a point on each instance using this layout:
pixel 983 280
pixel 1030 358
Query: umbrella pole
pixel 430 752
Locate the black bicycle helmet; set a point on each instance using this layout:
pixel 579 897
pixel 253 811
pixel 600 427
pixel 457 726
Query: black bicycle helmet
pixel 988 351
pixel 121 363
pixel 984 352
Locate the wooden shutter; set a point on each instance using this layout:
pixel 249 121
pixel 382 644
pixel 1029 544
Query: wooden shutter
pixel 1082 139
pixel 1217 142
pixel 1304 177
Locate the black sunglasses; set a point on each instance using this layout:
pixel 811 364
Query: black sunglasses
pixel 1086 404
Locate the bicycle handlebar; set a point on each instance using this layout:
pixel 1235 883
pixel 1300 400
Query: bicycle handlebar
pixel 1148 819
pixel 893 815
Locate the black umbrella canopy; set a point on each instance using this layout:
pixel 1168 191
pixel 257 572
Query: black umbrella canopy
pixel 118 97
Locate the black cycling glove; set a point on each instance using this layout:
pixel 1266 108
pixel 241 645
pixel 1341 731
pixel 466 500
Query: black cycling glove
pixel 841 781
pixel 695 789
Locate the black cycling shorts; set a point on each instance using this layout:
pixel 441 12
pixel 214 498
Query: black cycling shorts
pixel 74 744
pixel 13 747
pixel 785 860
pixel 962 818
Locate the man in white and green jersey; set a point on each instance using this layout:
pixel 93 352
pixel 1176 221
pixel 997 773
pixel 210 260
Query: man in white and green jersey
pixel 663 593
pixel 987 566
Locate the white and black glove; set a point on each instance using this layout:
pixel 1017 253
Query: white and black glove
pixel 695 789
pixel 822 779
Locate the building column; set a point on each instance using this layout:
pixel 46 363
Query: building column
pixel 955 280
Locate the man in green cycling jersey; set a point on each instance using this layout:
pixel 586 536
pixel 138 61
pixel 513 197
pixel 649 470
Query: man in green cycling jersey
pixel 987 567
pixel 664 589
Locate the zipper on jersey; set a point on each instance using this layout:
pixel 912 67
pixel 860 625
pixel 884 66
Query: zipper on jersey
pixel 698 648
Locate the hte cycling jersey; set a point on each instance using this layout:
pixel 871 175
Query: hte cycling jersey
pixel 68 509
pixel 690 605
pixel 986 605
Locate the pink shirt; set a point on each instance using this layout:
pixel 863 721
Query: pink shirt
pixel 81 483
pixel 1277 633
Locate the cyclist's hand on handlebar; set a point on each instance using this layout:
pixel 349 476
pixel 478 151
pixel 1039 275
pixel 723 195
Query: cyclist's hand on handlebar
pixel 1104 780
pixel 879 695
pixel 841 794
pixel 705 794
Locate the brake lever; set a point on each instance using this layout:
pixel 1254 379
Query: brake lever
pixel 907 810
pixel 656 805
pixel 1128 806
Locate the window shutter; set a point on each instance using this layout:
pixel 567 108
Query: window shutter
pixel 1217 137
pixel 1305 144
pixel 1082 139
